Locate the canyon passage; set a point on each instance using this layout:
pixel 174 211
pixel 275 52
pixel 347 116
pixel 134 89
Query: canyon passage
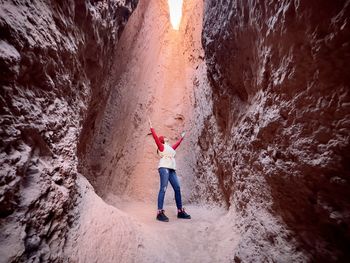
pixel 260 87
pixel 154 78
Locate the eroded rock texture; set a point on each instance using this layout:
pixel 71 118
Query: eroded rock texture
pixel 279 137
pixel 53 56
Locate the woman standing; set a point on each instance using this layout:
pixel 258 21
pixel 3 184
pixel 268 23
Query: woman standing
pixel 166 168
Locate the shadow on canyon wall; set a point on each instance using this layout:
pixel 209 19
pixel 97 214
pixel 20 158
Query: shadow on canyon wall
pixel 279 72
pixel 270 133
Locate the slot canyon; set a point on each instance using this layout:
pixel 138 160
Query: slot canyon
pixel 261 89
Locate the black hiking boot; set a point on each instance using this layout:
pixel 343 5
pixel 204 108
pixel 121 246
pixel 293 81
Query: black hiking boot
pixel 162 217
pixel 183 214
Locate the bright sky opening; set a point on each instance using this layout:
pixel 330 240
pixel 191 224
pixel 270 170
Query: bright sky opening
pixel 175 10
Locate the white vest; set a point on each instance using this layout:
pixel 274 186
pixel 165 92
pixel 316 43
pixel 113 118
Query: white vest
pixel 167 159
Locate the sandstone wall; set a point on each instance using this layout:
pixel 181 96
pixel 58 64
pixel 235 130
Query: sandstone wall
pixel 53 57
pixel 272 127
pixel 153 78
pixel 279 137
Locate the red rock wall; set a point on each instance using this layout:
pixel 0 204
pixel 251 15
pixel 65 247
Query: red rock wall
pixel 53 57
pixel 279 72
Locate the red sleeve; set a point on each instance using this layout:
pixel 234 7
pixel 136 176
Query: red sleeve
pixel 177 143
pixel 156 139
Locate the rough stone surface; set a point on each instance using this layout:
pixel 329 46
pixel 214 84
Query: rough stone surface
pixel 266 108
pixel 53 56
pixel 277 144
pixel 152 79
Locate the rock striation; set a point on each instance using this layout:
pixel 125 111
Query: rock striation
pixel 266 105
pixel 53 56
pixel 277 143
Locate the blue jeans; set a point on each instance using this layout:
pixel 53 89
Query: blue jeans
pixel 167 175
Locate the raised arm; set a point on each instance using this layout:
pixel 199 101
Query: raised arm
pixel 179 141
pixel 156 139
